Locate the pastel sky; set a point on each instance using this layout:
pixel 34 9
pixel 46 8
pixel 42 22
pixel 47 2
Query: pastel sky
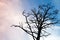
pixel 10 13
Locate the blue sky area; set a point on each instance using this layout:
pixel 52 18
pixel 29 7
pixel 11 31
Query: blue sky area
pixel 30 4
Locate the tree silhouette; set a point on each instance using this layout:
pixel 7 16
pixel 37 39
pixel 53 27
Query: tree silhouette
pixel 38 20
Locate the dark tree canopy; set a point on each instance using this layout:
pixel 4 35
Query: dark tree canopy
pixel 38 20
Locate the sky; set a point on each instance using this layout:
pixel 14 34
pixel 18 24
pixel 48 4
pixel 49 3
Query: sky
pixel 11 13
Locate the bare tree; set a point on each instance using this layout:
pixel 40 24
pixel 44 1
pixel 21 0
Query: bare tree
pixel 38 20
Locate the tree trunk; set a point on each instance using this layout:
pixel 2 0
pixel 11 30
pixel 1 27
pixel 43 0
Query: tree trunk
pixel 38 36
pixel 39 31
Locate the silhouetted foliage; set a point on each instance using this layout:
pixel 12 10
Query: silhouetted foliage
pixel 38 20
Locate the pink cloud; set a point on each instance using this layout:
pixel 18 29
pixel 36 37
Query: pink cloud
pixel 9 10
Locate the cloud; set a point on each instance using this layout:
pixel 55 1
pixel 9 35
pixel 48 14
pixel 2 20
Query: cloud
pixel 9 14
pixel 54 33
